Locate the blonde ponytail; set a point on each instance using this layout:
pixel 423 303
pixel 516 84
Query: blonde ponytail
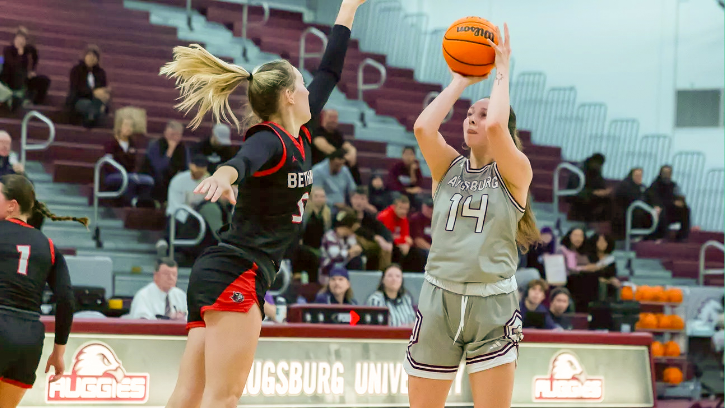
pixel 206 81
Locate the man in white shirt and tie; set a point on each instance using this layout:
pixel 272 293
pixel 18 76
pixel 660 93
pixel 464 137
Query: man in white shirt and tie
pixel 161 299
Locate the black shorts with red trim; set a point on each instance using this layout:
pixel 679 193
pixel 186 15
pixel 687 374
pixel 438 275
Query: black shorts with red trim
pixel 21 345
pixel 224 278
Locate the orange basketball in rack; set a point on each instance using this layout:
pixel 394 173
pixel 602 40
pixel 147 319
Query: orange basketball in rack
pixel 466 49
pixel 642 293
pixel 627 293
pixel 674 295
pixel 676 323
pixel 672 375
pixel 658 294
pixel 672 349
pixel 648 321
pixel 658 350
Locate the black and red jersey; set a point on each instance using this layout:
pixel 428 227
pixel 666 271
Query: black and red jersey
pixel 275 175
pixel 29 260
pixel 271 202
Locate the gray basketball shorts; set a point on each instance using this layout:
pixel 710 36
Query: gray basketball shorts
pixel 484 330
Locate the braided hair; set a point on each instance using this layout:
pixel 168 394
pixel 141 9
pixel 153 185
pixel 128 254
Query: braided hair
pixel 19 188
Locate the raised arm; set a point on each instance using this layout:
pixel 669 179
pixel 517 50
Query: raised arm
pixel 262 151
pixel 330 69
pixel 436 152
pixel 513 164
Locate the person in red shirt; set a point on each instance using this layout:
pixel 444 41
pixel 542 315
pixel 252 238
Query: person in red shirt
pixel 420 233
pixel 395 219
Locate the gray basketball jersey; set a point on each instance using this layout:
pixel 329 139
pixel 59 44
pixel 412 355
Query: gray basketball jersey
pixel 474 225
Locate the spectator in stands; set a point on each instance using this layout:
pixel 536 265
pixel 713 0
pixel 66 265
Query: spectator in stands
pixel 166 157
pixel 558 305
pixel 628 191
pixel 547 246
pixel 395 219
pixel 333 175
pixel 328 138
pixel 601 255
pixel 316 221
pixel 379 195
pixel 594 202
pixel 582 280
pixel 181 192
pixel 89 93
pixel 160 299
pixel 391 293
pixel 339 245
pixel 337 291
pixel 9 163
pixel 20 60
pixel 665 194
pixel 405 176
pixel 372 235
pixel 533 312
pixel 217 147
pixel 420 232
pixel 123 150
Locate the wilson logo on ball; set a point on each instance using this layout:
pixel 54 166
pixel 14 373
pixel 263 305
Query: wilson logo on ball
pixel 477 32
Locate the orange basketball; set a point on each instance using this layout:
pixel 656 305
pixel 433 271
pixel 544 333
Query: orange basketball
pixel 663 321
pixel 676 322
pixel 672 349
pixel 673 375
pixel 648 321
pixel 627 293
pixel 674 295
pixel 466 49
pixel 658 350
pixel 642 293
pixel 658 294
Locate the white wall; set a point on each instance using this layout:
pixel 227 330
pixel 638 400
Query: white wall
pixel 620 52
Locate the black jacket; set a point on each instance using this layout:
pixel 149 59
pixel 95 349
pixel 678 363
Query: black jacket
pixel 79 88
pixel 16 67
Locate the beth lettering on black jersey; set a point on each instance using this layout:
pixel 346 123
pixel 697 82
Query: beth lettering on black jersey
pixel 475 185
pixel 298 180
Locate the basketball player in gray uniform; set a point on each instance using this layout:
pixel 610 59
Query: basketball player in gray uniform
pixel 468 305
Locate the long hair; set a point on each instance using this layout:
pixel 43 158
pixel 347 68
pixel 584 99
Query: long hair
pixel 207 82
pixel 381 286
pixel 527 234
pixel 19 188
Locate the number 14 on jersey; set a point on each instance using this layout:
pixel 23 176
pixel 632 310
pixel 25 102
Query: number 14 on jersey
pixel 478 213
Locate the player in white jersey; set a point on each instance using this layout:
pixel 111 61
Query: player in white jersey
pixel 469 302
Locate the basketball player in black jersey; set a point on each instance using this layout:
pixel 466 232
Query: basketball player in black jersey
pixel 273 170
pixel 28 259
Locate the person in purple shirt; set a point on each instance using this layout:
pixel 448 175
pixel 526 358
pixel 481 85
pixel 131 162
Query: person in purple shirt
pixel 338 290
pixel 405 176
pixel 533 312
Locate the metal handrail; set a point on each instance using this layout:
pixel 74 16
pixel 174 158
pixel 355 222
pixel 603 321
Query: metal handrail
pixel 303 44
pixel 629 231
pixel 173 242
pixel 361 85
pixel 285 269
pixel 246 24
pixel 188 15
pixel 703 249
pixel 24 146
pixel 570 192
pixel 97 193
pixel 429 98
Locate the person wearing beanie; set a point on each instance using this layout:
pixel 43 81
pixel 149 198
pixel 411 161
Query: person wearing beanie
pixel 340 246
pixel 338 290
pixel 217 147
pixel 558 304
